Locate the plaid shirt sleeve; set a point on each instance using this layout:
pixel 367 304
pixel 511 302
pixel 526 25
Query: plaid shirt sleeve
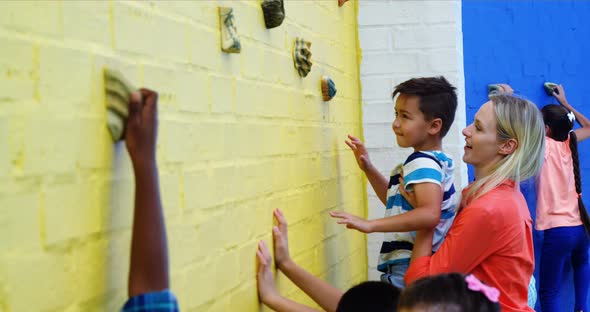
pixel 161 301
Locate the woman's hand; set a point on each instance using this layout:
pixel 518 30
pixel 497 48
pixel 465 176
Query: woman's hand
pixel 506 88
pixel 410 197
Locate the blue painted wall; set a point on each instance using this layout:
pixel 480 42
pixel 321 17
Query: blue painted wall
pixel 525 43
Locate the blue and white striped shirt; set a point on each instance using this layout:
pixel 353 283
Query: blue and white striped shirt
pixel 420 167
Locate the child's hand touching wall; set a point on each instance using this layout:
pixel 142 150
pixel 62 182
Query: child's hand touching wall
pixel 352 221
pixel 142 127
pixel 360 152
pixel 148 267
pixel 281 240
pixel 560 96
pixel 267 290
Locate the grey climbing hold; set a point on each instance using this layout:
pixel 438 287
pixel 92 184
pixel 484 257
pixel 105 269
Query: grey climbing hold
pixel 550 87
pixel 274 13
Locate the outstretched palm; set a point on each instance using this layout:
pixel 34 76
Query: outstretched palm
pixel 360 152
pixel 281 241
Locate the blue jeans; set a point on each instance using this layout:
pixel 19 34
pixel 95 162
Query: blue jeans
pixel 561 244
pixel 395 275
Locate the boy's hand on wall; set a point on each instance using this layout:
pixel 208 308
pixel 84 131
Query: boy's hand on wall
pixel 360 152
pixel 142 127
pixel 352 221
pixel 281 240
pixel 266 285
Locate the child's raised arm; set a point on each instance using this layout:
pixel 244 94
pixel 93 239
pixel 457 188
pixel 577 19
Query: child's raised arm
pixel 377 180
pixel 324 294
pixel 266 286
pixel 581 133
pixel 148 269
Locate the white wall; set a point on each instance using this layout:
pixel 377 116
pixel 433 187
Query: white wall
pixel 401 40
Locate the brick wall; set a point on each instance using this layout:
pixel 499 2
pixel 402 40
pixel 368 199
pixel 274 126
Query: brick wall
pixel 525 58
pixel 401 40
pixel 239 135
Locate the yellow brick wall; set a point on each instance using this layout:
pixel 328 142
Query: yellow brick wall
pixel 239 135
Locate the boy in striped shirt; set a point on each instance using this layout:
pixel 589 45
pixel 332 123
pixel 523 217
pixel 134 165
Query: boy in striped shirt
pixel 424 111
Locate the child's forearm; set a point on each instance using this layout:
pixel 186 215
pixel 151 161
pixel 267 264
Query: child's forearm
pixel 421 218
pixel 580 118
pixel 282 304
pixel 149 251
pixel 378 182
pixel 324 294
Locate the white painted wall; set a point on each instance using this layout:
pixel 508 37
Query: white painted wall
pixel 400 40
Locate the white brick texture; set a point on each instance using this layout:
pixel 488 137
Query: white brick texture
pixel 401 40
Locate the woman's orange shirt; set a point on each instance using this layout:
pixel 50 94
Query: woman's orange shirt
pixel 492 239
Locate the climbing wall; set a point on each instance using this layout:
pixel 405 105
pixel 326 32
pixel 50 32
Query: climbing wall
pixel 240 134
pixel 542 41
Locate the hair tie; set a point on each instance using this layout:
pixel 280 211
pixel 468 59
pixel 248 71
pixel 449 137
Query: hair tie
pixel 476 285
pixel 571 116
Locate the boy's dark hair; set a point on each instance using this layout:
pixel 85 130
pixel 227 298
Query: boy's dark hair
pixel 445 292
pixel 438 98
pixel 556 118
pixel 370 296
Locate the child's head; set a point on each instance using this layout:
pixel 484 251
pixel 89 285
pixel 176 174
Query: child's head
pixel 505 141
pixel 436 99
pixel 557 121
pixel 449 293
pixel 370 296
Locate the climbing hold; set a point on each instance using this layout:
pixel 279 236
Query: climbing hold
pixel 302 56
pixel 550 87
pixel 494 89
pixel 117 93
pixel 341 2
pixel 328 88
pixel 274 13
pixel 230 41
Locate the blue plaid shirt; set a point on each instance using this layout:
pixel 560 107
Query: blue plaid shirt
pixel 161 301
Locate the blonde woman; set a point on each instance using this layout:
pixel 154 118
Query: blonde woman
pixel 491 237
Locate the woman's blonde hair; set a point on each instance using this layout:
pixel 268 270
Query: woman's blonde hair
pixel 518 119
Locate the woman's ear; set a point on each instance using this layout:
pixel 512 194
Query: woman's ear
pixel 547 131
pixel 508 147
